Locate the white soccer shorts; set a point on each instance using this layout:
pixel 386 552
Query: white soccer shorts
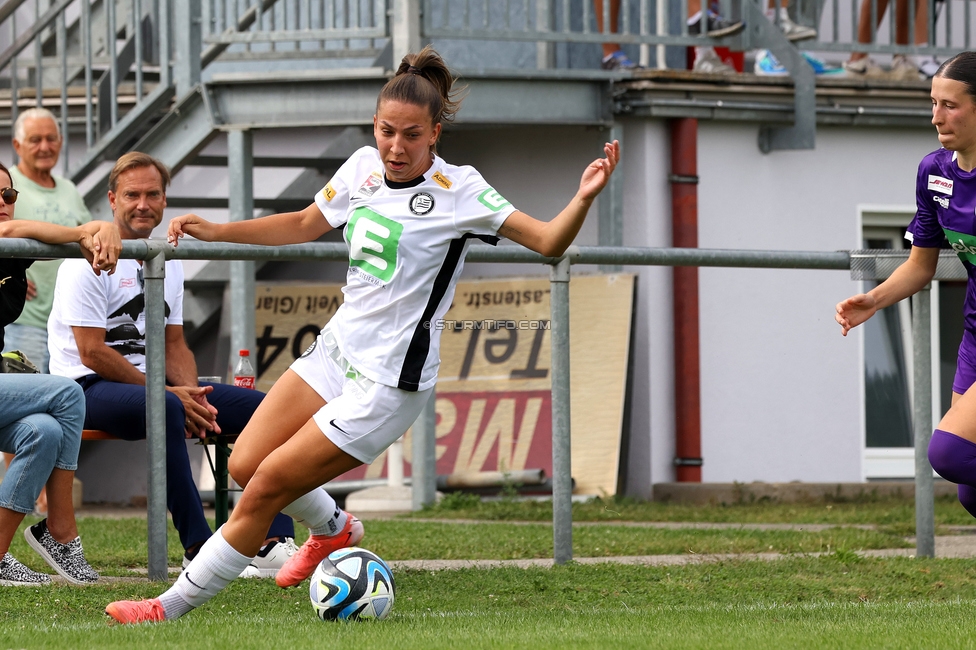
pixel 361 417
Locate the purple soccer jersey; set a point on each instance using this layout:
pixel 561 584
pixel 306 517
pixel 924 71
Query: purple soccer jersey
pixel 945 198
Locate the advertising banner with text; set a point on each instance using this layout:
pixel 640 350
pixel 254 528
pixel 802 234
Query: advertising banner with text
pixel 493 398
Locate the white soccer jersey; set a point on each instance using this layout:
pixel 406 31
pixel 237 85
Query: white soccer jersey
pixel 115 303
pixel 406 250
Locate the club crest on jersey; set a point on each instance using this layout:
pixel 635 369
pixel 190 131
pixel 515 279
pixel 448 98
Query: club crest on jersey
pixel 421 203
pixel 942 200
pixel 369 187
pixel 939 184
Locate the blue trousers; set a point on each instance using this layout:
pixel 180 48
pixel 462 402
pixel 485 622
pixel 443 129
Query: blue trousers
pixel 40 423
pixel 120 409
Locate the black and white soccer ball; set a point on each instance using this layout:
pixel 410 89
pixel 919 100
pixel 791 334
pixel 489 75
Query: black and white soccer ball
pixel 352 584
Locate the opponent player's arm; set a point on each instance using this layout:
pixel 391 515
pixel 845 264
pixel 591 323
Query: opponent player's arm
pixel 907 279
pixel 274 230
pixel 552 238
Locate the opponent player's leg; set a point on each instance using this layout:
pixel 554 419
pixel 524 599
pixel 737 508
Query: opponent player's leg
pixel 952 450
pixel 307 460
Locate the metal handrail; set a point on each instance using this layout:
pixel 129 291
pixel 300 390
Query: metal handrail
pixel 646 23
pixel 156 252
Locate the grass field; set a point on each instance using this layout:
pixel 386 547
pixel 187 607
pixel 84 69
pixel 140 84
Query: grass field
pixel 832 600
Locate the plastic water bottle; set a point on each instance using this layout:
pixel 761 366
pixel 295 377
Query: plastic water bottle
pixel 244 372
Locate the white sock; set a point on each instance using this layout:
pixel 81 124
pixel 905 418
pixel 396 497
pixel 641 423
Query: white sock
pixel 318 512
pixel 211 570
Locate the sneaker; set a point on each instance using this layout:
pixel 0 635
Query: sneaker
pixel 793 31
pixel 67 559
pixel 128 612
pixel 301 565
pixel 766 64
pixel 270 559
pixel 903 69
pixel 865 68
pixel 15 574
pixel 617 61
pixel 718 27
pixel 928 65
pixel 707 60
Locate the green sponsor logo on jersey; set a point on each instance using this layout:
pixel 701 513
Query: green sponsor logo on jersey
pixel 492 200
pixel 373 242
pixel 963 244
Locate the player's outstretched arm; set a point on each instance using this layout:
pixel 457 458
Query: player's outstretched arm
pixel 907 279
pixel 274 230
pixel 554 237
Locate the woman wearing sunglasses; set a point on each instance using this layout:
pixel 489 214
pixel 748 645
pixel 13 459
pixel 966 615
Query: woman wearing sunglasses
pixel 407 216
pixel 42 415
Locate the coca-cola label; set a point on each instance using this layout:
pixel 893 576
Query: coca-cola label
pixel 244 382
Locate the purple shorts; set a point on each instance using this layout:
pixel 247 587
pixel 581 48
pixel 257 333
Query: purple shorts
pixel 966 364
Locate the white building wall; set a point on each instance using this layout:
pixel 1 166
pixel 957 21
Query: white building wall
pixel 782 391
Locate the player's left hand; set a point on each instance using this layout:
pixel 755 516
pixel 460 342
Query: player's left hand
pixel 597 173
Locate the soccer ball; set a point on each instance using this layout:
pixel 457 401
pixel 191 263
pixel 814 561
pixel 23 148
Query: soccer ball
pixel 352 584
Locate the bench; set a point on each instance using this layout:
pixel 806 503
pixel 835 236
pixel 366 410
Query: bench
pixel 218 465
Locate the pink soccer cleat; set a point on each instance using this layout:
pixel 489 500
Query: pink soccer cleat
pixel 314 550
pixel 128 612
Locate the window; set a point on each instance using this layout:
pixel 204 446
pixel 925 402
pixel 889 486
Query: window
pixel 888 367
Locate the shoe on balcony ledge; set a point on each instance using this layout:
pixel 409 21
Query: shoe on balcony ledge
pixel 718 27
pixel 793 31
pixel 618 61
pixel 864 68
pixel 708 61
pixel 767 64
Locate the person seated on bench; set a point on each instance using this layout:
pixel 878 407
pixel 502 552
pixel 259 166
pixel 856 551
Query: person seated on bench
pixel 42 416
pixel 97 336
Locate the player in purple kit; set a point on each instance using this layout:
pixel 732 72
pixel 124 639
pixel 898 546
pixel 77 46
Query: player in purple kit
pixel 945 194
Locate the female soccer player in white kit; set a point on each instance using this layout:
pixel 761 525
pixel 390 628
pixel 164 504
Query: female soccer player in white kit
pixel 407 217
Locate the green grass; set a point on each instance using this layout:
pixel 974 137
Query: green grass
pixel 897 513
pixel 117 546
pixel 833 600
pixel 828 602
